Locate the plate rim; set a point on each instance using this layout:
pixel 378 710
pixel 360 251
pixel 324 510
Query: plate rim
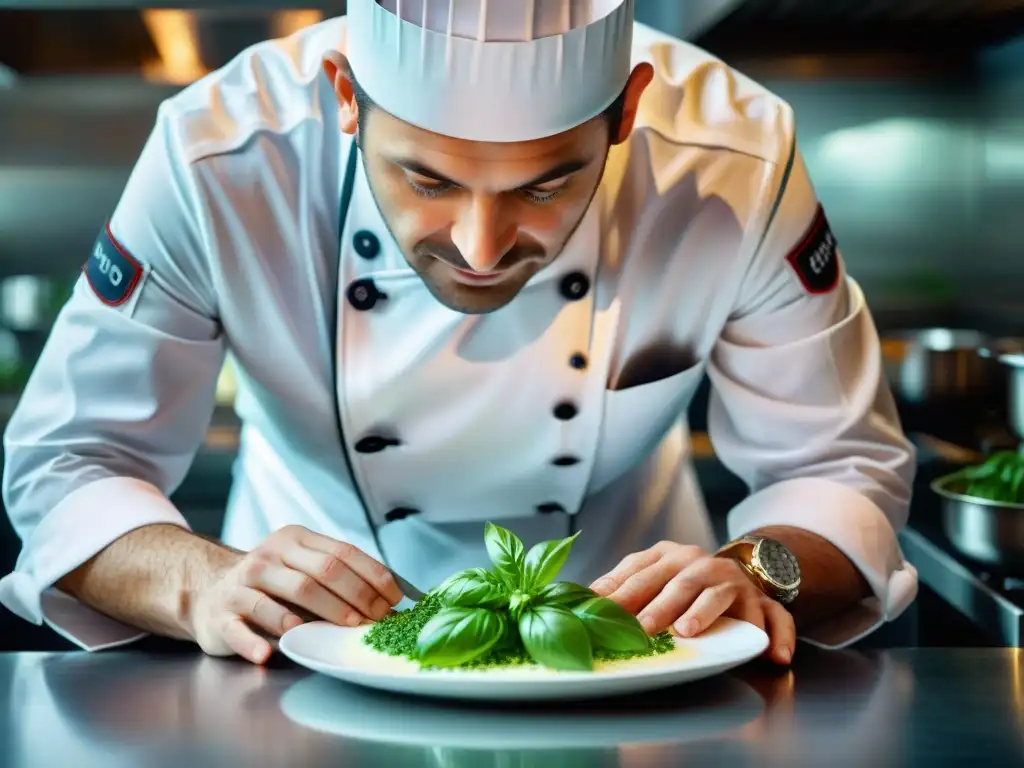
pixel 576 678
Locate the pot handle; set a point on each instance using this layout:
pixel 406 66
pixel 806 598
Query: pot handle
pixel 1009 351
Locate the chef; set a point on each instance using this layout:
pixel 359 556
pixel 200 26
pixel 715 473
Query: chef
pixel 470 261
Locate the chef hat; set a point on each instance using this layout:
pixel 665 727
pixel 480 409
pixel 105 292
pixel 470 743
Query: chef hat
pixel 491 70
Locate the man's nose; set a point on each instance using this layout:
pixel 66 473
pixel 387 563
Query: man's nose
pixel 480 236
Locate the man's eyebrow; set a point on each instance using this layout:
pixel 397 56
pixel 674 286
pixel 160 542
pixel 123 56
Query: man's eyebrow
pixel 560 170
pixel 421 170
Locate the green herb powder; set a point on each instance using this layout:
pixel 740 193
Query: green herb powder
pixel 396 635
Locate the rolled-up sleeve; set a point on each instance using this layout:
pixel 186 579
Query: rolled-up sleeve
pixel 119 400
pixel 802 412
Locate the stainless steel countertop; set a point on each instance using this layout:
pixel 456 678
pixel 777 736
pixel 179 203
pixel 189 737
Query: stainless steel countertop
pixel 928 707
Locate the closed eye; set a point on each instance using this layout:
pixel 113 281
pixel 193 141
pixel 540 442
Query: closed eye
pixel 431 189
pixel 539 195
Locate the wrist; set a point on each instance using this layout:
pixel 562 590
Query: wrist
pixel 208 563
pixel 830 582
pixel 769 564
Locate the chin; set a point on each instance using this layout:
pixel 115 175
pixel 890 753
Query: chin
pixel 473 301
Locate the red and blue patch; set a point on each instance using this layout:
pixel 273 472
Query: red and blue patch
pixel 816 260
pixel 112 272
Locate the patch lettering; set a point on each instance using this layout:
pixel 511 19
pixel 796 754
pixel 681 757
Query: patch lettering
pixel 113 274
pixel 815 259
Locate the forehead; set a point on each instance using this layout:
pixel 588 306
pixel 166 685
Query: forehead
pixel 398 138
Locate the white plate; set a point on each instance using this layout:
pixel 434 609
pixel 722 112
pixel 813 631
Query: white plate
pixel 340 652
pixel 708 710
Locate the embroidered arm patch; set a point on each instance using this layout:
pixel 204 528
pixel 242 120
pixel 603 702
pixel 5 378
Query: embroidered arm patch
pixel 815 260
pixel 114 275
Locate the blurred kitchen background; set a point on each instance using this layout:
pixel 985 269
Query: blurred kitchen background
pixel 910 115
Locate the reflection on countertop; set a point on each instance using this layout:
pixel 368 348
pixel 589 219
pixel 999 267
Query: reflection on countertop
pixel 844 708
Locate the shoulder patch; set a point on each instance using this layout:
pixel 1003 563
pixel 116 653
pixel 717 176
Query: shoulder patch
pixel 815 259
pixel 113 274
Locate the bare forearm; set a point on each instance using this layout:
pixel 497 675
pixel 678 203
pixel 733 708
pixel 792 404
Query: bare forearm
pixel 829 585
pixel 146 577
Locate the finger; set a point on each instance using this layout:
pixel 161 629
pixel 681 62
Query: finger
pixel 367 568
pixel 750 611
pixel 615 578
pixel 705 610
pixel 642 587
pixel 672 602
pixel 263 611
pixel 302 590
pixel 781 631
pixel 337 577
pixel 675 599
pixel 243 641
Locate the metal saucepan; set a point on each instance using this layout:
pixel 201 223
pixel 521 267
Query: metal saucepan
pixel 1010 353
pixel 988 532
pixel 941 384
pixel 936 366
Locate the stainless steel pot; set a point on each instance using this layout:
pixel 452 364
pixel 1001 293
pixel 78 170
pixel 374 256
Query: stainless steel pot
pixel 1016 407
pixel 988 532
pixel 940 366
pixel 1010 354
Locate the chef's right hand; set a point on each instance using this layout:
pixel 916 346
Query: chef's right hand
pixel 294 571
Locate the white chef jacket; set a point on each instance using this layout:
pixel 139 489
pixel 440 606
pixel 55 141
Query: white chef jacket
pixel 376 415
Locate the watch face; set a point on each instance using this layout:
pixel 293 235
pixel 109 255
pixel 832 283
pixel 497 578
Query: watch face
pixel 779 563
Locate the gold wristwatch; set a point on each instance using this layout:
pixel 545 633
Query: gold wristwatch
pixel 769 564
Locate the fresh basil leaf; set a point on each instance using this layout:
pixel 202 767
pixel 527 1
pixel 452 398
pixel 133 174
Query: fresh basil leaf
pixel 555 638
pixel 544 561
pixel 447 584
pixel 564 593
pixel 1017 486
pixel 611 626
pixel 457 635
pixel 509 641
pixel 518 603
pixel 506 552
pixel 981 472
pixel 476 590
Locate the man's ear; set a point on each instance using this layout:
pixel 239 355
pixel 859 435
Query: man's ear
pixel 338 73
pixel 641 77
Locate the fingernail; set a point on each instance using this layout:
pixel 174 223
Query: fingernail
pixel 354 620
pixel 600 586
pixel 380 608
pixel 648 624
pixel 687 627
pixel 291 622
pixel 786 655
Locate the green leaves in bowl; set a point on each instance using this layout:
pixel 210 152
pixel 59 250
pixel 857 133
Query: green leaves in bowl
pixel 518 604
pixel 1000 479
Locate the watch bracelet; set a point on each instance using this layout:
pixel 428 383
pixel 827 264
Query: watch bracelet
pixel 767 589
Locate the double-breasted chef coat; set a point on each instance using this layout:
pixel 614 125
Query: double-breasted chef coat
pixel 376 415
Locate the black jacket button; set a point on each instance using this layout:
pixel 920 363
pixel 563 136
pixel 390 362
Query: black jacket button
pixel 366 244
pixel 565 461
pixel 400 513
pixel 565 411
pixel 375 444
pixel 363 295
pixel 550 508
pixel 578 361
pixel 575 286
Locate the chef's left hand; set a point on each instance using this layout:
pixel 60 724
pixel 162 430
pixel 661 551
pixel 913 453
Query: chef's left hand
pixel 685 588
